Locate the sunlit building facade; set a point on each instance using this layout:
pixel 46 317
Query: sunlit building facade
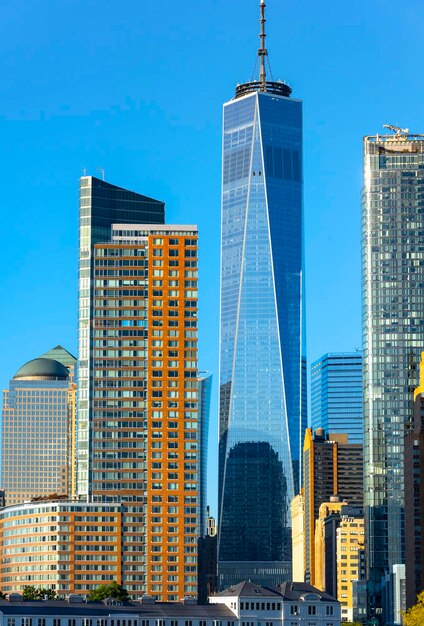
pixel 262 411
pixel 70 547
pixel 393 336
pixel 38 426
pixel 144 388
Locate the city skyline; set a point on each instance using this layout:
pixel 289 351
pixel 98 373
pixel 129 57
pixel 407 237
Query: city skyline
pixel 48 176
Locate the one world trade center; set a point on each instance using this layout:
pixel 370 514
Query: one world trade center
pixel 262 414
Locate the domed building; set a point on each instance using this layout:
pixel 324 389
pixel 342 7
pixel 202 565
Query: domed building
pixel 38 429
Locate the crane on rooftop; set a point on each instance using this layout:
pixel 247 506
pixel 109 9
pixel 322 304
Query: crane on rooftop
pixel 399 132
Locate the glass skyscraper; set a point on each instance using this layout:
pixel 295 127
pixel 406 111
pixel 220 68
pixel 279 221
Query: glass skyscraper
pixel 204 391
pixel 393 334
pixel 101 205
pixel 336 394
pixel 262 364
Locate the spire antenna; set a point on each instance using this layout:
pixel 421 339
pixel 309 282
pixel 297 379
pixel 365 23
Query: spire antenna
pixel 264 84
pixel 262 52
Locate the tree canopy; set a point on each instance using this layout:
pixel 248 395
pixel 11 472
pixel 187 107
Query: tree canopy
pixel 415 615
pixel 38 593
pixel 118 592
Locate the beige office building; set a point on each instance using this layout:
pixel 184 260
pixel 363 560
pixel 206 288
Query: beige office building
pixel 38 429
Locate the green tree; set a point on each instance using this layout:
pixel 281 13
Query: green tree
pixel 47 594
pixel 415 615
pixel 38 593
pixel 30 593
pixel 109 591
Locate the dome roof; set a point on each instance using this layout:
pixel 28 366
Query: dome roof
pixel 43 368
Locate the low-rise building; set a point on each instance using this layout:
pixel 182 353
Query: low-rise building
pixel 288 604
pixel 67 546
pixel 76 612
pixel 245 604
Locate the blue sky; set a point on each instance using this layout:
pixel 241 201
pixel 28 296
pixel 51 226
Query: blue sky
pixel 137 88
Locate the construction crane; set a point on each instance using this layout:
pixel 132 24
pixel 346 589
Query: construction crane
pixel 400 132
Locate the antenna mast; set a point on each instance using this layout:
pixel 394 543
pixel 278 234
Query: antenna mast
pixel 262 52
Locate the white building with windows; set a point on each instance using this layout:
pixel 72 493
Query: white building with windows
pixel 289 604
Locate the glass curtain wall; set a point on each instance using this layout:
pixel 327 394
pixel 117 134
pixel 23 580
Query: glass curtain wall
pixel 262 364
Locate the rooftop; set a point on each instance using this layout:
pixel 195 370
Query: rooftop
pixel 42 368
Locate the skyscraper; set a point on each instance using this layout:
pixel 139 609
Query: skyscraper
pixel 393 334
pixel 204 402
pixel 145 449
pixel 101 205
pixel 38 442
pixel 262 345
pixel 336 394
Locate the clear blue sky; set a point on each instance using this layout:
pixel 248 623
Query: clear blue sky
pixel 137 89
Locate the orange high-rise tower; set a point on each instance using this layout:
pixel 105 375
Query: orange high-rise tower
pixel 145 448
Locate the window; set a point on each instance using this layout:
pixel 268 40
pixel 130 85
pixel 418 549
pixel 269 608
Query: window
pixel 294 609
pixel 329 610
pixel 312 610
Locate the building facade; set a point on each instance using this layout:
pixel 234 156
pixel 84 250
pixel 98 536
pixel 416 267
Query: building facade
pixel 262 410
pixel 75 611
pixel 70 547
pixel 101 205
pixel 290 603
pixel 350 559
pixel 326 545
pixel 298 537
pixel 332 466
pixel 38 429
pixel 393 335
pixel 287 606
pixel 204 403
pixel 414 497
pixel 144 389
pixel 336 394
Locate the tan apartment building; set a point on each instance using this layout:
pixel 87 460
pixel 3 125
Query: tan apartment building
pixel 70 547
pixel 350 559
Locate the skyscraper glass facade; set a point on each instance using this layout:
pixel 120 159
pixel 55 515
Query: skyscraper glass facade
pixel 393 333
pixel 262 363
pixel 336 394
pixel 101 205
pixel 204 403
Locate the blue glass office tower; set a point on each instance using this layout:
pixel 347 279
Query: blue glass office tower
pixel 262 364
pixel 204 391
pixel 336 394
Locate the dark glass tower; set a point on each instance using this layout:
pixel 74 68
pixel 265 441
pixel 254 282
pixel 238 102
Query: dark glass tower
pixel 101 205
pixel 262 363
